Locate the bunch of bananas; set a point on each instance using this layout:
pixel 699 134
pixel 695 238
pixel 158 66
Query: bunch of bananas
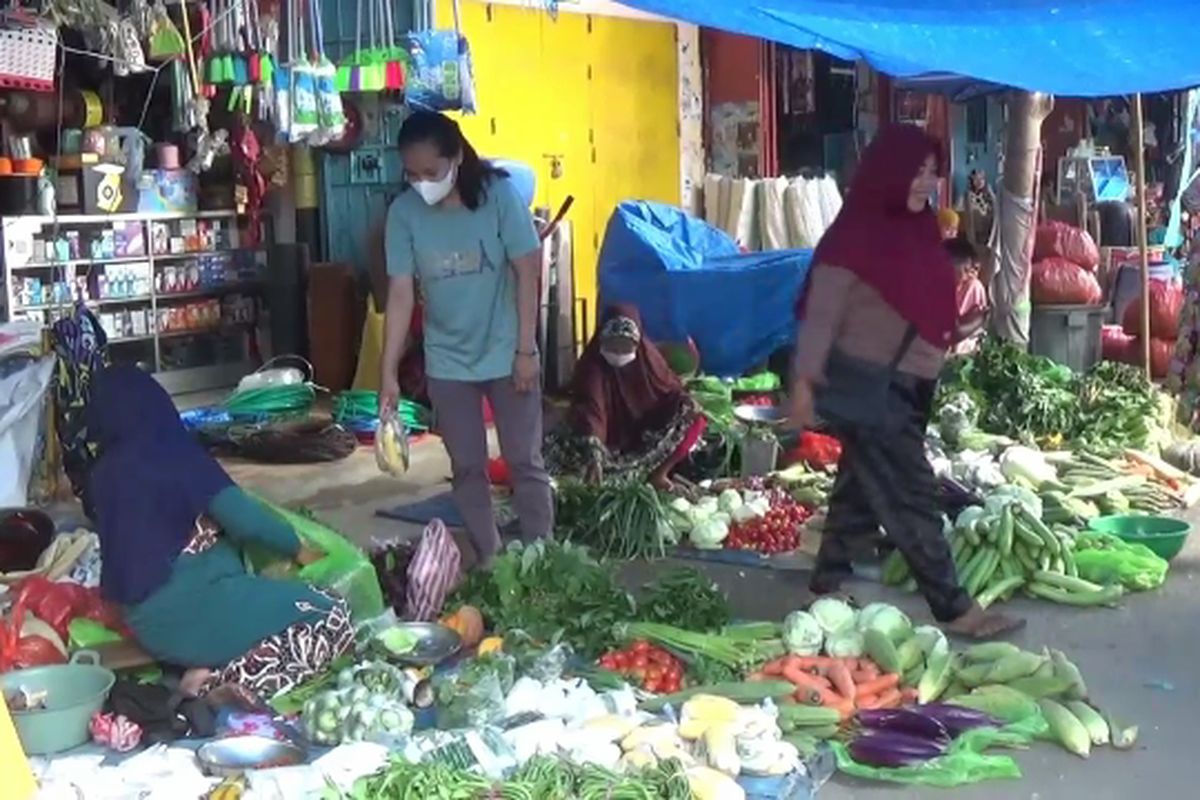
pixel 391 446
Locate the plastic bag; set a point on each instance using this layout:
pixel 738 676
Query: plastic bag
pixel 59 603
pixel 473 695
pixel 1057 281
pixel 345 569
pixel 964 762
pixel 440 76
pixel 1056 239
pixel 1166 304
pixel 391 446
pixel 432 574
pixel 1106 559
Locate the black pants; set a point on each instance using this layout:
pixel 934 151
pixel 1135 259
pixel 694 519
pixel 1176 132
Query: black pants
pixel 884 479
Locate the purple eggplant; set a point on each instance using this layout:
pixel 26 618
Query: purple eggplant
pixel 902 720
pixel 957 719
pixel 892 749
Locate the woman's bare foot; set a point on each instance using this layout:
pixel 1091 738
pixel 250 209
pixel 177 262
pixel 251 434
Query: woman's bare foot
pixel 980 624
pixel 660 481
pixel 193 681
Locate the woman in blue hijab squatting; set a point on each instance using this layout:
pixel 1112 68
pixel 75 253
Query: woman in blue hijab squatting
pixel 172 525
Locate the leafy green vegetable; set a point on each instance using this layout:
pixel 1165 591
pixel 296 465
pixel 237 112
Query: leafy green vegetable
pixel 1033 399
pixel 686 598
pixel 549 588
pixel 623 520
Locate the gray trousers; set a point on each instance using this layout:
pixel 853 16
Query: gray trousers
pixel 458 410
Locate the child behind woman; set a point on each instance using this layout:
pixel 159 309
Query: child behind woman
pixel 970 295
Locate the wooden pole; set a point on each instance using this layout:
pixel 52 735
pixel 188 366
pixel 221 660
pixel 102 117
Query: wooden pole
pixel 1139 143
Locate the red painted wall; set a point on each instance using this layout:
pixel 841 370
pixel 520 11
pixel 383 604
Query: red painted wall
pixel 732 66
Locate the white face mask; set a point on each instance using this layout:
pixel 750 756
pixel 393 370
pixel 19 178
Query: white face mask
pixel 619 360
pixel 434 192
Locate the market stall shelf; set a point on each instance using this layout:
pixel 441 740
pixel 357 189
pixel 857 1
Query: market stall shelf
pixel 172 290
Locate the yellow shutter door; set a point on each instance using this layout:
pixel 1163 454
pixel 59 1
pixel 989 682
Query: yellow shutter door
pixel 591 103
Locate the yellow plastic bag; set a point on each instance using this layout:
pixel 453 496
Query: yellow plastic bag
pixel 370 352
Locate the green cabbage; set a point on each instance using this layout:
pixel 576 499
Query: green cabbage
pixel 847 644
pixel 833 615
pixel 729 501
pixel 887 619
pixel 802 635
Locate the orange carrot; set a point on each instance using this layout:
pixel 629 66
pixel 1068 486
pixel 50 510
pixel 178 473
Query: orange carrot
pixel 756 677
pixel 845 709
pixel 839 676
pixel 879 685
pixel 908 696
pixel 867 671
pixel 889 698
pixel 806 682
pixel 814 664
pixel 807 696
pixel 773 668
pixel 867 701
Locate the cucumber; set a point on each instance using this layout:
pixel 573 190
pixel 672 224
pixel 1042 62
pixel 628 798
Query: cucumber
pixel 802 716
pixel 1005 543
pixel 742 692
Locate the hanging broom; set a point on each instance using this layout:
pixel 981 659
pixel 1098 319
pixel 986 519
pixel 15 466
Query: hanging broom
pixel 394 66
pixel 349 72
pixel 166 42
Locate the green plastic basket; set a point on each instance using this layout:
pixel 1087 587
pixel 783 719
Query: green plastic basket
pixel 1163 535
pixel 74 692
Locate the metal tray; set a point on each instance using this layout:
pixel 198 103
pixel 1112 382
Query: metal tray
pixel 236 755
pixel 435 643
pixel 760 415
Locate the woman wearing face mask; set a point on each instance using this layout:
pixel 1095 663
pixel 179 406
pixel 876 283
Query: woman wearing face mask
pixel 630 416
pixel 461 230
pixel 881 303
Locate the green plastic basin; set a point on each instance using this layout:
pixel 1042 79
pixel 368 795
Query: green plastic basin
pixel 74 692
pixel 1164 535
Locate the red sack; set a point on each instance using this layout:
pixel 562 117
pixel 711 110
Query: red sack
pixel 1059 282
pixel 1116 344
pixel 1161 353
pixel 1056 239
pixel 1166 304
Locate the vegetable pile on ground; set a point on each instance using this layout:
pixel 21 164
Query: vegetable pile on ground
pixel 622 520
pixel 1035 400
pixel 646 666
pixel 741 516
pixel 1026 536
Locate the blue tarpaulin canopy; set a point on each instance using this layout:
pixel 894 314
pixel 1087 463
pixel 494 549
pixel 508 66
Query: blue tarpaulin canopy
pixel 1082 48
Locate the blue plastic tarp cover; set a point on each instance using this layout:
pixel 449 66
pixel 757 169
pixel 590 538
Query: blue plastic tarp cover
pixel 1084 48
pixel 689 279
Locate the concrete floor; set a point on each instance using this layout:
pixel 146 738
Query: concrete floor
pixel 1138 660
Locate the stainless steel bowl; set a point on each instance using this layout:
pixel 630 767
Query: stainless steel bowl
pixel 236 755
pixel 768 416
pixel 435 643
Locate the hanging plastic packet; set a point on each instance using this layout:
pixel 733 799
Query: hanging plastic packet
pixel 440 76
pixel 331 117
pixel 305 117
pixel 391 445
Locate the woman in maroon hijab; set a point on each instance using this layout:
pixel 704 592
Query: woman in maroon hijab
pixel 883 292
pixel 630 416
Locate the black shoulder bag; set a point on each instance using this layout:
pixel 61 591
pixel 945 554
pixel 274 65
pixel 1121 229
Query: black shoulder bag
pixel 856 392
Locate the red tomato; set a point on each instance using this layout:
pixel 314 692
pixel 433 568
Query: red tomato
pixel 621 661
pixel 637 674
pixel 652 685
pixel 640 661
pixel 607 661
pixel 654 673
